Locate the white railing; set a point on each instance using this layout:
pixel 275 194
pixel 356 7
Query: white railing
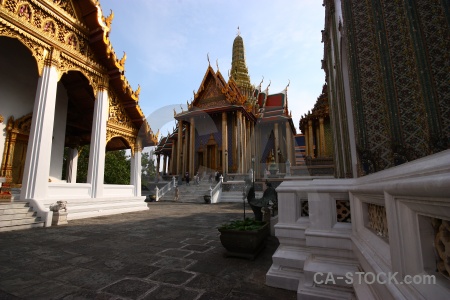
pixel 216 192
pixel 391 236
pixel 159 193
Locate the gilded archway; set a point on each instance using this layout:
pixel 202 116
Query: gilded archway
pixel 15 150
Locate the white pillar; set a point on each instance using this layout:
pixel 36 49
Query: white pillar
pixel 37 164
pixel 135 174
pixel 96 170
pixel 59 132
pixel 72 165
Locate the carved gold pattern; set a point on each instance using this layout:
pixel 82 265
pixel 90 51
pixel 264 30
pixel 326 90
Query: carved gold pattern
pixel 31 20
pixel 343 211
pixel 442 245
pixel 14 130
pixel 119 124
pixel 377 220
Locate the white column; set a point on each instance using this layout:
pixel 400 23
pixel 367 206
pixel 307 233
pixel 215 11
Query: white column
pixel 164 164
pixel 72 165
pixel 135 174
pixel 37 164
pixel 96 170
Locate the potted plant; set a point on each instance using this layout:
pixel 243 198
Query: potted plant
pixel 244 237
pixel 207 199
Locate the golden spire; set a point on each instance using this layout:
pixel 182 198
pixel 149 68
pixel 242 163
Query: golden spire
pixel 239 71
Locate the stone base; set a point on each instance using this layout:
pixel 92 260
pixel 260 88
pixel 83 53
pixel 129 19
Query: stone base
pixel 59 218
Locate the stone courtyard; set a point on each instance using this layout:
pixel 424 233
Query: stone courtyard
pixel 171 251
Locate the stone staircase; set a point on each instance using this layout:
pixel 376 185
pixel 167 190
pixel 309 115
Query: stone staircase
pixel 194 193
pixel 17 216
pixel 190 193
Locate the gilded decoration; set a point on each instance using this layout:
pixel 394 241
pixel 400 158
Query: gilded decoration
pixel 442 245
pixel 119 124
pixel 16 140
pixel 378 220
pixel 37 26
pixel 376 125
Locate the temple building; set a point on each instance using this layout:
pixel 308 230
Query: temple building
pixel 230 126
pixel 386 213
pixel 62 86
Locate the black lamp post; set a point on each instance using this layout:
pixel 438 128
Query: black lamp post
pixel 253 171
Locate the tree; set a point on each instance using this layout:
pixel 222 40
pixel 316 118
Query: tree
pixel 148 168
pixel 117 166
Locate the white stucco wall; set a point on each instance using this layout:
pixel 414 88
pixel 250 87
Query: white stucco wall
pixel 18 82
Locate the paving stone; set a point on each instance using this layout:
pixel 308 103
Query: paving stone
pixel 84 294
pixel 172 293
pixel 212 296
pixel 176 277
pixel 129 288
pixel 174 263
pixel 174 253
pixel 197 248
pixel 112 257
pixel 211 283
pixel 124 268
pixel 88 278
pixel 193 241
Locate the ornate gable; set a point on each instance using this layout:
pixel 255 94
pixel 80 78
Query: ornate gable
pixel 214 91
pixel 210 92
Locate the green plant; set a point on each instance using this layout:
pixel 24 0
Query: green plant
pixel 243 225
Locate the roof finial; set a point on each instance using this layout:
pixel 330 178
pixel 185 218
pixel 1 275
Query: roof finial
pixel 261 82
pixel 288 84
pixel 207 56
pixel 217 64
pixel 238 31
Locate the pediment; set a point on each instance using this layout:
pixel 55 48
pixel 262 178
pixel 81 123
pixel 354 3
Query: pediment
pixel 66 7
pixel 211 95
pixel 214 91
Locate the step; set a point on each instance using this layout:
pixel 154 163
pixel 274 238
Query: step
pixel 106 212
pixel 283 277
pixel 337 267
pixel 315 292
pixel 290 256
pixel 8 215
pixel 18 221
pixel 22 227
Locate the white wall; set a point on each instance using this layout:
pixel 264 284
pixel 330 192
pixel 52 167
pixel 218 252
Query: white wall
pixel 18 82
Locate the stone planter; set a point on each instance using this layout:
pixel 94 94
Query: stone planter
pixel 242 243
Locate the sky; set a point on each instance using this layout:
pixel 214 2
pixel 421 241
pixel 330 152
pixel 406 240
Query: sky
pixel 167 44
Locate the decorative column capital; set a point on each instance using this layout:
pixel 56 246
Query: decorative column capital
pixel 52 58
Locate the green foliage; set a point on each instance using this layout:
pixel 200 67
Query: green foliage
pixel 83 164
pixel 117 166
pixel 243 225
pixel 148 171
